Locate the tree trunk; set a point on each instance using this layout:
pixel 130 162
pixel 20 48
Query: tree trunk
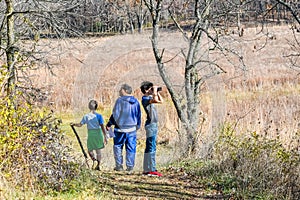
pixel 187 104
pixel 11 50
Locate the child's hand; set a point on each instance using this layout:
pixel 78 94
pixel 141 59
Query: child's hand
pixel 105 140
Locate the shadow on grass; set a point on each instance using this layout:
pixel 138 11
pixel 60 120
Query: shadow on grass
pixel 136 186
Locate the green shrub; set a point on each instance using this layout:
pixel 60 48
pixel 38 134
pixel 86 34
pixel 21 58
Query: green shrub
pixel 261 166
pixel 32 153
pixel 248 167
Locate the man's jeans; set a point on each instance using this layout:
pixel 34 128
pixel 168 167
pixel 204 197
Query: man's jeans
pixel 150 151
pixel 129 139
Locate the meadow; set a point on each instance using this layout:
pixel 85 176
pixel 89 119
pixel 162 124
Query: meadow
pixel 261 96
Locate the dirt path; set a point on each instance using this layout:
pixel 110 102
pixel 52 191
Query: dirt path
pixel 175 184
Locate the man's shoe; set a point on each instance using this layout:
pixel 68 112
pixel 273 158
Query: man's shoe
pixel 129 169
pixel 119 168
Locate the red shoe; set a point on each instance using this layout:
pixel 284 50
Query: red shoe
pixel 155 173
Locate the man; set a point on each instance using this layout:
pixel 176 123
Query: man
pixel 126 118
pixel 151 96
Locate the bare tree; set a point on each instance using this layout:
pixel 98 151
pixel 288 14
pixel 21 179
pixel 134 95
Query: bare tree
pixel 203 35
pixel 136 13
pixel 207 24
pixel 22 26
pixel 293 8
pixel 130 15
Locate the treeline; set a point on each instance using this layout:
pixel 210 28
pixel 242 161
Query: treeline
pixel 99 17
pixel 131 16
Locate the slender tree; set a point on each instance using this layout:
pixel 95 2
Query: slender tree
pixel 207 25
pixel 22 26
pixel 201 28
pixel 11 49
pixel 293 10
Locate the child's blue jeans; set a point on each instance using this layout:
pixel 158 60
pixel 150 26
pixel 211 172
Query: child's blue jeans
pixel 150 151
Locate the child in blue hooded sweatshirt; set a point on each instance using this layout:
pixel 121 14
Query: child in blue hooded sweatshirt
pixel 126 118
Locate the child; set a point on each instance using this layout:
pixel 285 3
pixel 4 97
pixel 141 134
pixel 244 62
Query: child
pixel 96 135
pixel 151 96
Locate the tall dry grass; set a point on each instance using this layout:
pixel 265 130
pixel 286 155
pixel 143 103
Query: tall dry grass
pixel 262 97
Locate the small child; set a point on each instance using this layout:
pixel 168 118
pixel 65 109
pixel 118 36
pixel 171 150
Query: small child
pixel 96 132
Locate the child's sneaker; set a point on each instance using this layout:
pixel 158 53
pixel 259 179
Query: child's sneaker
pixel 145 173
pixel 97 166
pixel 155 173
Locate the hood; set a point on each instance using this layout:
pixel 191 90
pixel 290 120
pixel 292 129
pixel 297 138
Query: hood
pixel 130 99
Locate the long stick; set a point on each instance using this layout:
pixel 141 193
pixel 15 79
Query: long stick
pixel 82 149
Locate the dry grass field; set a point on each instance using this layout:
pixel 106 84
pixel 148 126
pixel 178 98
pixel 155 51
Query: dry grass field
pixel 262 96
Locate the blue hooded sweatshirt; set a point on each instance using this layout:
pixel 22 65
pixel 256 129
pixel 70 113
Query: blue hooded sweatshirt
pixel 126 113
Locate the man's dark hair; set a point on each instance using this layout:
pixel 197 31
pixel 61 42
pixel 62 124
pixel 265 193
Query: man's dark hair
pixel 146 85
pixel 93 105
pixel 127 88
